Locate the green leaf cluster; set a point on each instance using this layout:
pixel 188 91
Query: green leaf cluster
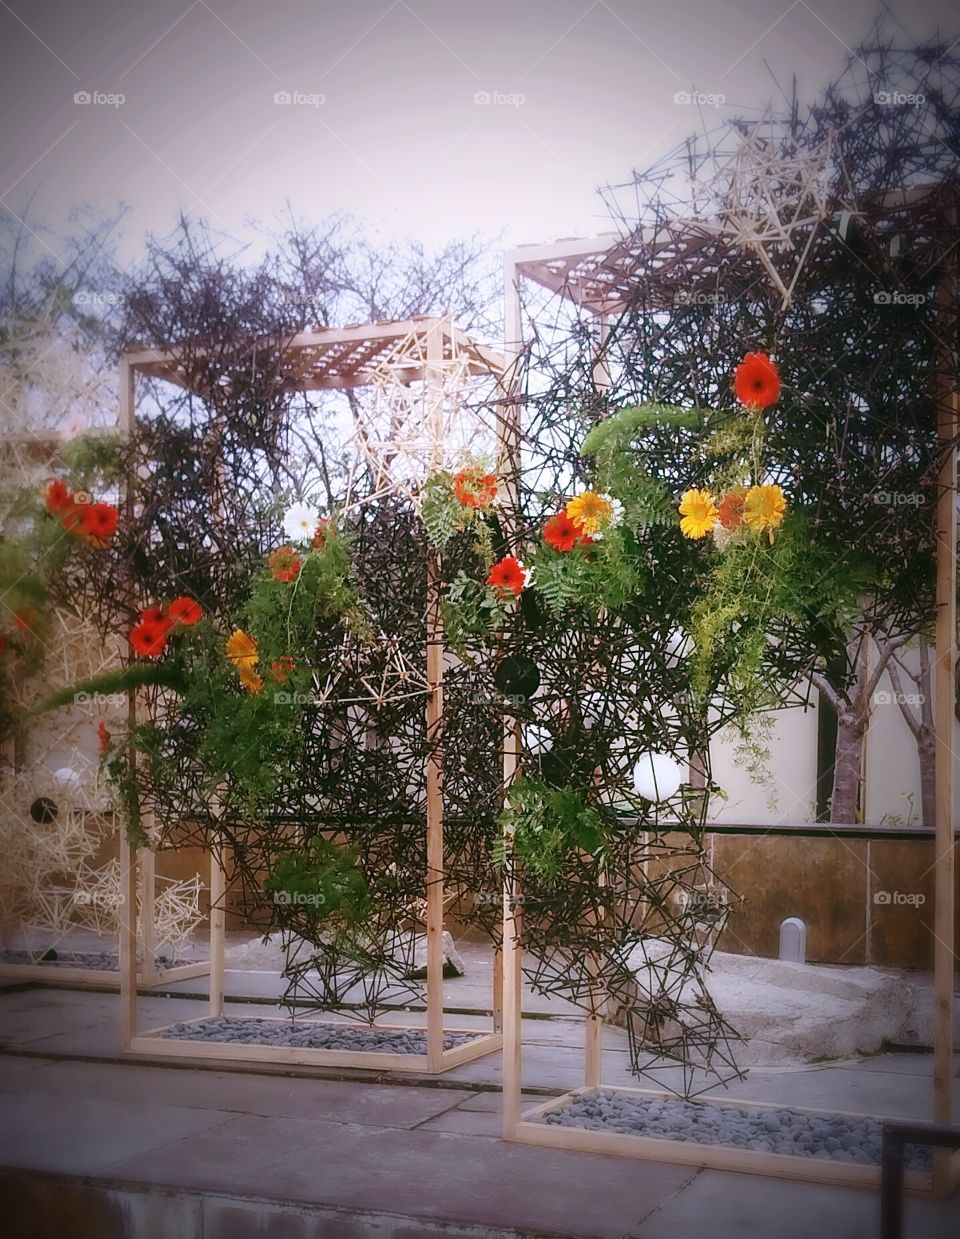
pixel 540 827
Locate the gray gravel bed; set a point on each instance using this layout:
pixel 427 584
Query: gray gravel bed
pixel 100 961
pixel 312 1035
pixel 822 1136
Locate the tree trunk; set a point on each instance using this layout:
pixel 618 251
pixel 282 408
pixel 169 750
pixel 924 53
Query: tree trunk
pixel 847 767
pixel 926 746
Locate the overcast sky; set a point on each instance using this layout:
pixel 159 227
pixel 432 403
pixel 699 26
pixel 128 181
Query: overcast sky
pixel 437 117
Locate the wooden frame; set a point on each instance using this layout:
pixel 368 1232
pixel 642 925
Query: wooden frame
pixel 331 359
pixel 590 273
pixel 149 974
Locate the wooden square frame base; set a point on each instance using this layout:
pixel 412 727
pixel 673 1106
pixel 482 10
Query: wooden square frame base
pixel 155 1043
pixel 149 974
pixel 528 1130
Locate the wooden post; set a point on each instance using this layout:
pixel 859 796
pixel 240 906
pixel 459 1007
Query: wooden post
pixel 217 928
pixel 148 916
pixel 509 433
pixel 944 694
pixel 433 381
pixel 128 944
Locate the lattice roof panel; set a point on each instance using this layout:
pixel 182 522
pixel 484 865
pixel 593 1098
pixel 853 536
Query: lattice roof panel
pixel 321 358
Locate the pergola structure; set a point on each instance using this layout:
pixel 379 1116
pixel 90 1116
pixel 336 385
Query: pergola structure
pixel 435 359
pixel 601 276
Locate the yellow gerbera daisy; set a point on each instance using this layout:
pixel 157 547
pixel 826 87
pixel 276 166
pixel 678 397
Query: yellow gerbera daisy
pixel 242 649
pixel 764 508
pixel 591 511
pixel 698 513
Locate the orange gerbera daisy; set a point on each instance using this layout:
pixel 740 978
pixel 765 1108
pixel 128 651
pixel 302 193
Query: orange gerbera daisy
pixel 320 534
pixel 27 620
pixel 59 497
pixel 149 637
pixel 249 678
pixel 103 737
pixel 185 611
pixel 757 381
pixel 284 564
pixel 509 577
pixel 698 513
pixel 764 509
pixel 242 649
pixel 562 533
pixel 730 508
pixel 475 489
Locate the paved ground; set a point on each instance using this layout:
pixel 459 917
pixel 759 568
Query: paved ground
pixel 95 1146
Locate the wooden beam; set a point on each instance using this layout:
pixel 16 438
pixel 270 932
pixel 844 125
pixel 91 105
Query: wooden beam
pixel 945 639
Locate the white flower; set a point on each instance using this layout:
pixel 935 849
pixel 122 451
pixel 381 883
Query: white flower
pixel 527 576
pixel 616 511
pixel 299 523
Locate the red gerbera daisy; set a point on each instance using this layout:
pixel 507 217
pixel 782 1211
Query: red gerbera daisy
pixel 562 533
pixel 757 381
pixel 320 534
pixel 150 638
pixel 103 737
pixel 281 668
pixel 508 576
pixel 284 564
pixel 184 611
pixel 98 522
pixel 152 615
pixel 475 489
pixel 72 520
pixel 59 497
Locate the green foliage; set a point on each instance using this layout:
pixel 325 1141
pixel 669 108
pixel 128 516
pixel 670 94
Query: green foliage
pixel 617 431
pixel 442 513
pixel 540 826
pixel 91 459
pixel 605 574
pixel 123 680
pixel 471 611
pixel 320 882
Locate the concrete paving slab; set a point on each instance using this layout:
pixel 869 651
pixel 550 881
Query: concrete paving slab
pixel 737 1206
pixel 268 1096
pixel 423 1174
pixel 87 1135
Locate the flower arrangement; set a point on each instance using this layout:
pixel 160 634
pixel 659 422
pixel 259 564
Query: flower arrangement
pixel 456 502
pixel 87 519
